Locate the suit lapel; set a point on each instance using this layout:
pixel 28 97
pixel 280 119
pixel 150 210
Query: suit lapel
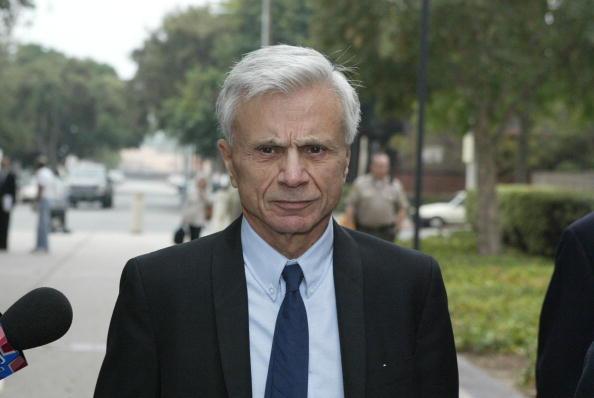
pixel 231 311
pixel 348 283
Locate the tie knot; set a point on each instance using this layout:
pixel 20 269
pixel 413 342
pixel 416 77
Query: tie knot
pixel 293 275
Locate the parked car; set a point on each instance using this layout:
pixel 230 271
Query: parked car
pixel 27 188
pixel 178 181
pixel 90 183
pixel 116 176
pixel 437 215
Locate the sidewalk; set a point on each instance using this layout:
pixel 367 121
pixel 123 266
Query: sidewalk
pixel 86 266
pixel 476 383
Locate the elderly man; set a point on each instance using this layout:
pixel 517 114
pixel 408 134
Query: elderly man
pixel 376 204
pixel 46 192
pixel 284 302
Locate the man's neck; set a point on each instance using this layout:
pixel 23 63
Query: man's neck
pixel 291 246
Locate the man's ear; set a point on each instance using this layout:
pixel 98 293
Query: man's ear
pixel 348 161
pixel 226 153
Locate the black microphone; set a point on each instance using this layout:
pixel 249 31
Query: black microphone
pixel 585 387
pixel 39 317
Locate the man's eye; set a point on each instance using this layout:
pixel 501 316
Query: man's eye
pixel 266 149
pixel 315 149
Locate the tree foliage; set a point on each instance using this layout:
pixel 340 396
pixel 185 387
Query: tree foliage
pixel 190 115
pixel 58 106
pixel 489 62
pixel 9 10
pixel 377 40
pixel 508 59
pixel 182 65
pixel 178 75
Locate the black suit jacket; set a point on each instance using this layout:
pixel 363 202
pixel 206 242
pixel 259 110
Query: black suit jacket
pixel 180 326
pixel 567 317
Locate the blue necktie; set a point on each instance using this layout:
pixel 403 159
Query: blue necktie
pixel 289 358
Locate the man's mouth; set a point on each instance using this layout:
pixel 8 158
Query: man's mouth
pixel 292 204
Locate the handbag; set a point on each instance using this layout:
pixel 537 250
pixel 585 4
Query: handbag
pixel 179 235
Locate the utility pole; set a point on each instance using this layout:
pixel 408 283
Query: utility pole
pixel 265 30
pixel 422 99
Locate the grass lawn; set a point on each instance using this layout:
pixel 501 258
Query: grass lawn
pixel 494 301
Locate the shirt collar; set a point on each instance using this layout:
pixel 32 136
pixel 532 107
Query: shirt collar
pixel 382 180
pixel 266 264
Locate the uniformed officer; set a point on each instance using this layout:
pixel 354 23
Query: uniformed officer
pixel 375 204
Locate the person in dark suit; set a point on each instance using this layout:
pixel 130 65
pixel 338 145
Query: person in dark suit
pixel 284 302
pixel 567 318
pixel 7 199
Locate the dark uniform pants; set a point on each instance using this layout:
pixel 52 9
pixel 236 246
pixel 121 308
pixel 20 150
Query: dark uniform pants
pixel 385 232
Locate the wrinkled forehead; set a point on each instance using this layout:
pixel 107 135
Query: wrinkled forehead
pixel 380 160
pixel 319 103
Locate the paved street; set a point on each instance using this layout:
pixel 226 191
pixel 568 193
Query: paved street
pixel 86 266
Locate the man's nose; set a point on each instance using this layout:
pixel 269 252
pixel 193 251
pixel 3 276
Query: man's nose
pixel 293 172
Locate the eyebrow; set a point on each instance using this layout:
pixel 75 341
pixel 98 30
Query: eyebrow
pixel 304 141
pixel 268 141
pixel 313 140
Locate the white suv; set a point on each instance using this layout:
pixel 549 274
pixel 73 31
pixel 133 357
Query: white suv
pixel 90 182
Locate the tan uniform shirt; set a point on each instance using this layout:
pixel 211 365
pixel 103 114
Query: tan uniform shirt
pixel 376 202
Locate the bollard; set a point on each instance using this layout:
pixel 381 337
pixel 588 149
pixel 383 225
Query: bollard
pixel 137 212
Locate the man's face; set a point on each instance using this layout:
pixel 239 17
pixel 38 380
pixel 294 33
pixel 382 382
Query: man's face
pixel 380 166
pixel 201 183
pixel 289 160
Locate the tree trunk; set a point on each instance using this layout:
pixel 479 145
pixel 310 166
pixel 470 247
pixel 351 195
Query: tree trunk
pixel 523 150
pixel 489 235
pixel 52 142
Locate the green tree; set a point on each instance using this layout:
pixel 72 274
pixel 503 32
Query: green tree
pixel 64 106
pixel 190 115
pixel 377 40
pixel 489 62
pixel 505 62
pixel 9 131
pixel 9 10
pixel 290 23
pixel 563 139
pixel 181 66
pixel 185 39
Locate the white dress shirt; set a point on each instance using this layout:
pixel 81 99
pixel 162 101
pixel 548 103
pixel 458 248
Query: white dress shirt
pixel 266 291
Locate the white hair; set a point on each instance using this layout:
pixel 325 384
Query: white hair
pixel 284 69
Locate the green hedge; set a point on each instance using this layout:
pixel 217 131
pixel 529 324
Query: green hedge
pixel 532 217
pixel 494 301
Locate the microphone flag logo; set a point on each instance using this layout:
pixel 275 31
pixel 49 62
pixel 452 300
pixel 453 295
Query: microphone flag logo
pixel 11 360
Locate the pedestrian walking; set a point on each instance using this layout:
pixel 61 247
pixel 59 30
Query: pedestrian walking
pixel 197 208
pixel 44 177
pixel 377 205
pixel 7 199
pixel 226 207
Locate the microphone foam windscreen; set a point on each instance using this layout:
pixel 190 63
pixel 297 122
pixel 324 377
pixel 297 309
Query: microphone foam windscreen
pixel 39 317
